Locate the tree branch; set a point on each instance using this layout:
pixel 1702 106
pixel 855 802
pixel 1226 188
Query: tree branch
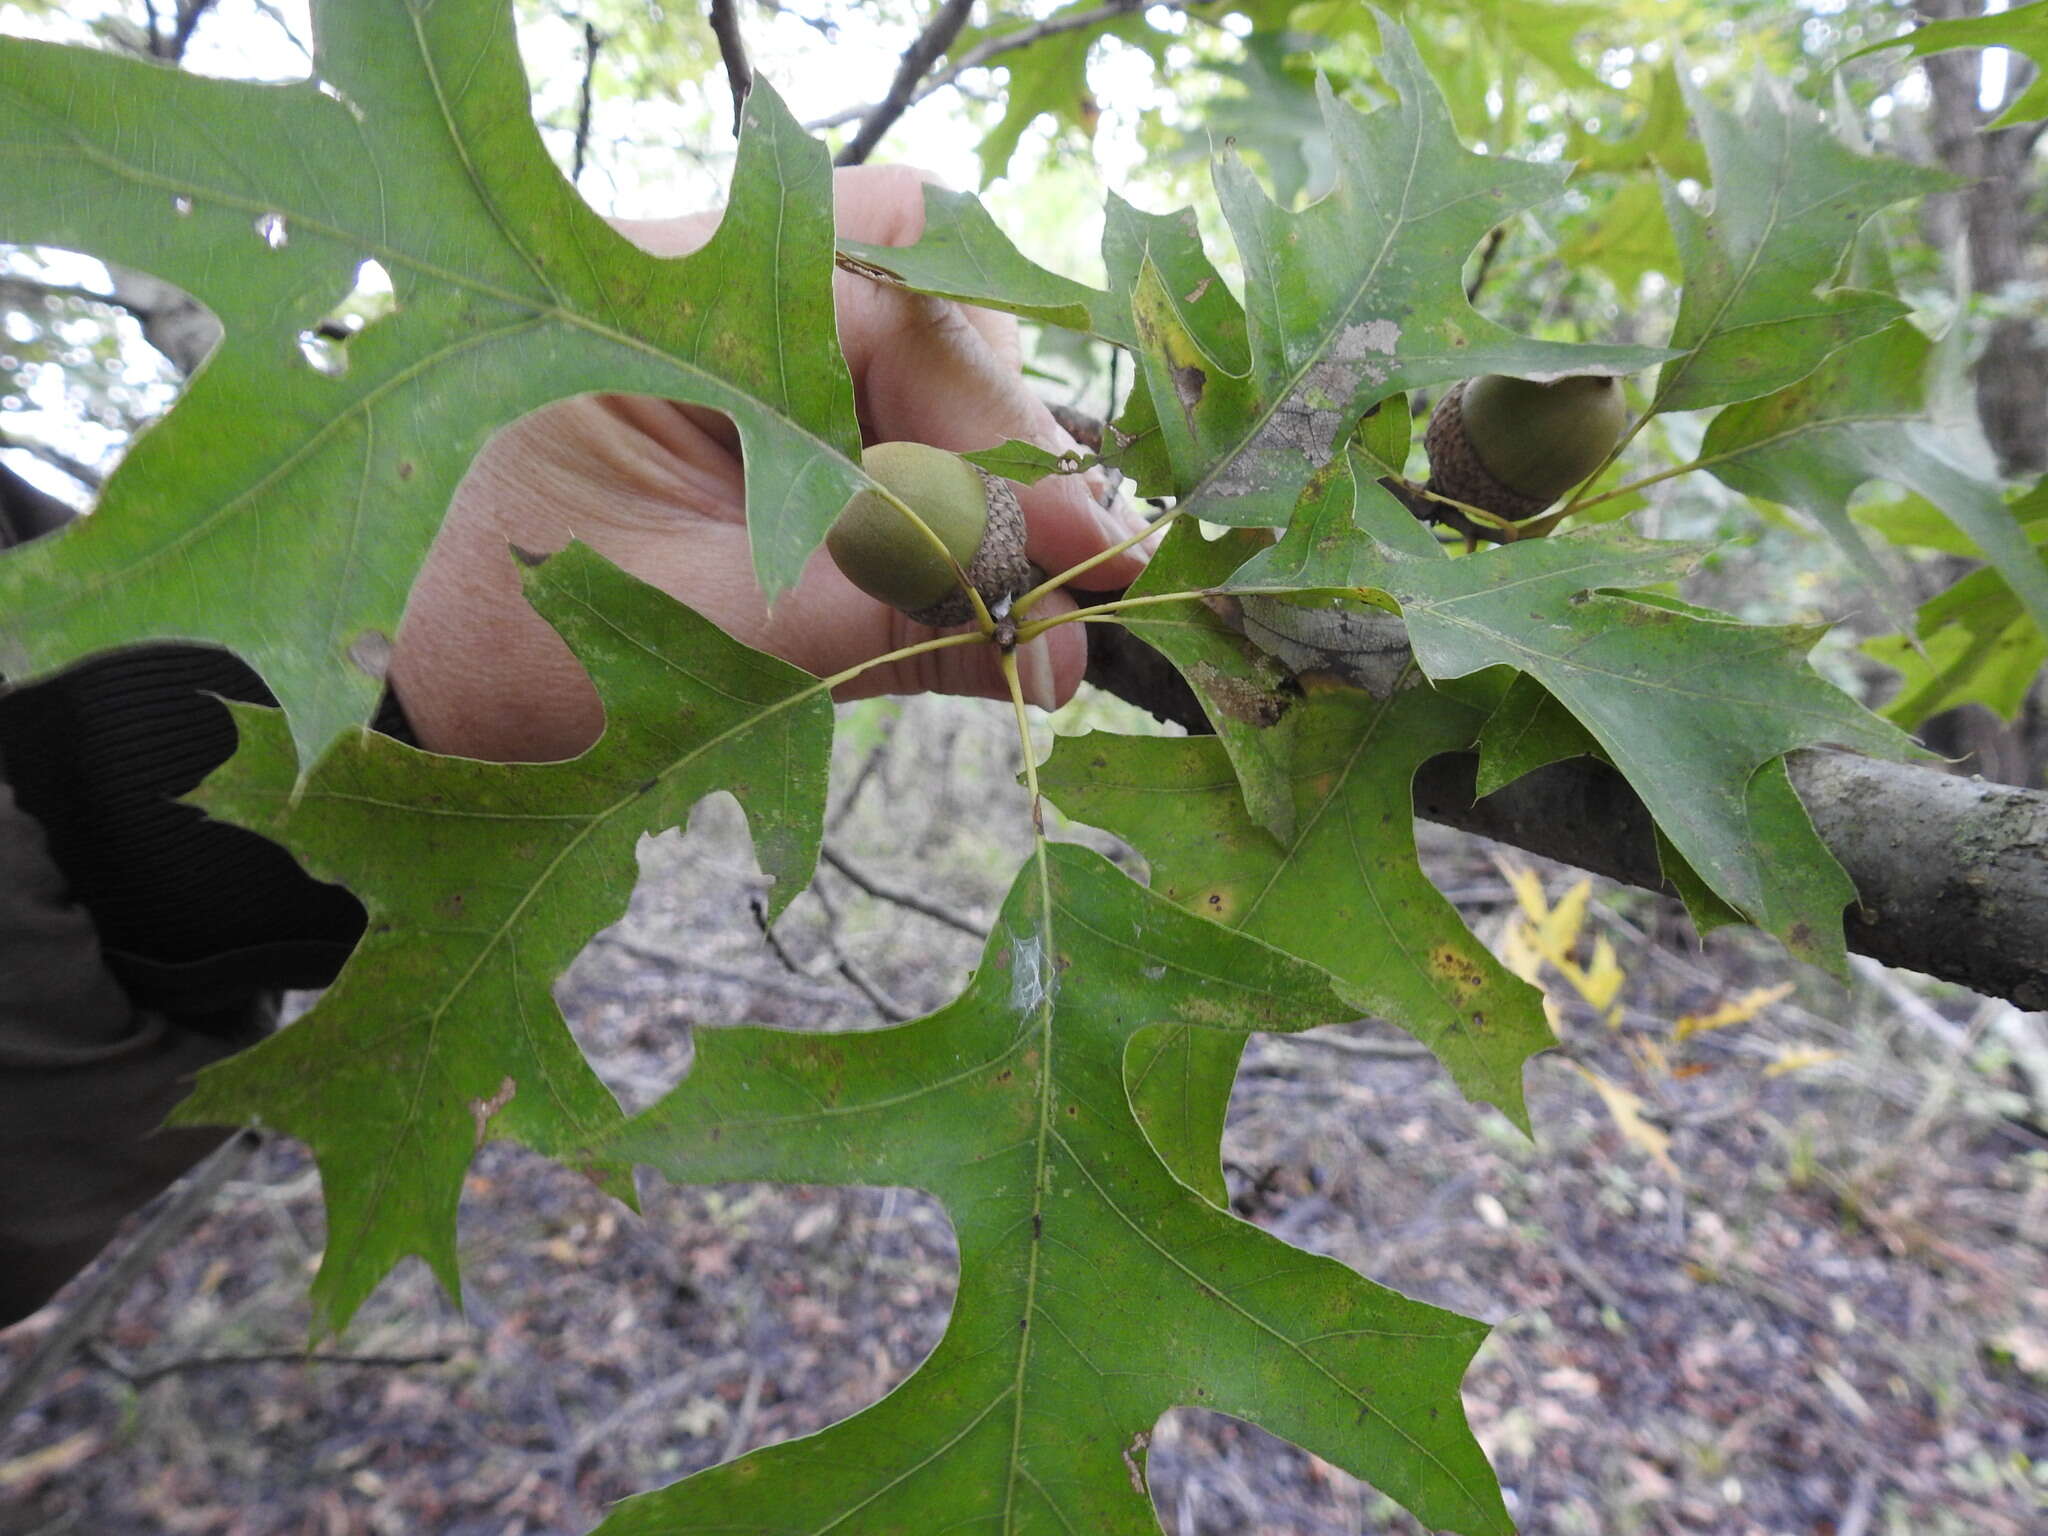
pixel 592 42
pixel 923 52
pixel 1952 873
pixel 1009 42
pixel 732 48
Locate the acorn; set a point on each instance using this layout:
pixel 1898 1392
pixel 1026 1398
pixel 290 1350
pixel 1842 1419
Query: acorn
pixel 974 514
pixel 1512 447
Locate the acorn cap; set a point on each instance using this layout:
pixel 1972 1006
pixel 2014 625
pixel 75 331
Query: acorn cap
pixel 1512 446
pixel 974 515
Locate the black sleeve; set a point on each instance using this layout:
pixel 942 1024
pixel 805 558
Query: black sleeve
pixel 194 916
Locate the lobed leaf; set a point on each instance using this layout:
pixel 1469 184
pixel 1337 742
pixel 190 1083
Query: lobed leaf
pixel 483 881
pixel 1096 1289
pixel 281 511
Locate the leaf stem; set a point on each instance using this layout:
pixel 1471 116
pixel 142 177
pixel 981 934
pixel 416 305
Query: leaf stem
pixel 904 653
pixel 1108 611
pixel 1030 599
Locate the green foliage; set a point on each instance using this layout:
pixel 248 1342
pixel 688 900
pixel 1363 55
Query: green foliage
pixel 1096 1290
pixel 262 201
pixel 2022 27
pixel 441 1031
pixel 1068 1106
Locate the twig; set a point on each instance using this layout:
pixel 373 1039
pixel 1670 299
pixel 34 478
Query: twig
pixel 1009 42
pixel 732 48
pixel 923 52
pixel 17 290
pixel 896 896
pixel 1487 252
pixel 879 1000
pixel 868 987
pixel 742 1429
pixel 148 1376
pixel 189 14
pixel 592 42
pixel 92 1308
pixel 810 993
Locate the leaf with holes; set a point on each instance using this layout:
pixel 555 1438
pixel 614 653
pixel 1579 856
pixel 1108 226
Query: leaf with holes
pixel 282 511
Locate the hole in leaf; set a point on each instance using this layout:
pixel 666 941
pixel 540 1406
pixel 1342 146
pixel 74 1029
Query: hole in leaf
pixel 325 345
pixel 270 226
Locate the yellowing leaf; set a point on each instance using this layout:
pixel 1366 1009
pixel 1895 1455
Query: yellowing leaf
pixel 1740 1011
pixel 1627 1112
pixel 1797 1058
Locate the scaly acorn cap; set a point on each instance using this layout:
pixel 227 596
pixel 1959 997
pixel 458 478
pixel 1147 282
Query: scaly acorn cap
pixel 1512 446
pixel 974 514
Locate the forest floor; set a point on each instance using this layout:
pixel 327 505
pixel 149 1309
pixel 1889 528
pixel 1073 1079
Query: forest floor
pixel 1819 1309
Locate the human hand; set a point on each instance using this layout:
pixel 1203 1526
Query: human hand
pixel 656 488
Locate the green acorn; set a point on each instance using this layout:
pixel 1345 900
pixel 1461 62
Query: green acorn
pixel 1512 447
pixel 975 516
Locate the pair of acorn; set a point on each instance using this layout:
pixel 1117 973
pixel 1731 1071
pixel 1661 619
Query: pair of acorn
pixel 1507 446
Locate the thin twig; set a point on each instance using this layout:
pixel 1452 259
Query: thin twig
pixel 1494 239
pixel 919 57
pixel 877 995
pixel 16 291
pixel 732 48
pixel 1009 42
pixel 189 14
pixel 146 1376
pixel 742 1430
pixel 592 42
pixel 91 1309
pixel 897 896
pixel 877 999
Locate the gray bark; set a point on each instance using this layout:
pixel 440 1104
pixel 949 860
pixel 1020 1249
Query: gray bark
pixel 1951 873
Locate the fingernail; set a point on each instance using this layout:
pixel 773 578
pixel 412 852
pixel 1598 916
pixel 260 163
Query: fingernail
pixel 1034 674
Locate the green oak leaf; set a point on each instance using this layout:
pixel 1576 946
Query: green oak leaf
pixel 1050 77
pixel 1344 891
pixel 1354 298
pixel 1862 416
pixel 963 255
pixel 1528 729
pixel 1096 1290
pixel 1687 705
pixel 1248 696
pixel 1973 643
pixel 1757 311
pixel 1624 236
pixel 2022 28
pixel 482 882
pixel 282 511
pixel 1660 137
